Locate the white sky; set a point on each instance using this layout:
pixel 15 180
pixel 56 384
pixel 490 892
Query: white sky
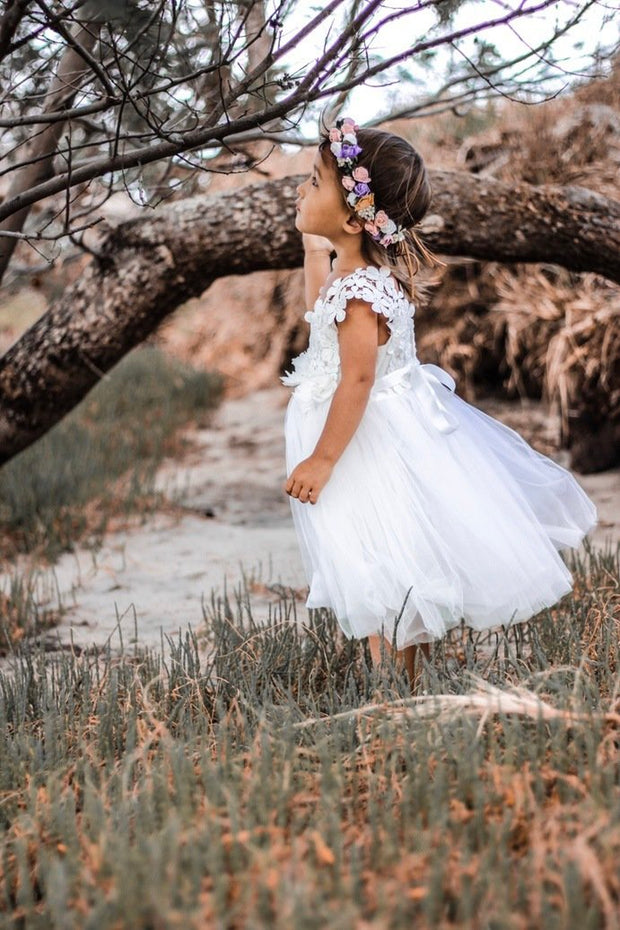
pixel 600 25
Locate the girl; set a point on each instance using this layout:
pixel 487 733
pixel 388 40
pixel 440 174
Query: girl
pixel 413 509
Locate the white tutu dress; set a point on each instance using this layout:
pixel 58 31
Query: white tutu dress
pixel 435 511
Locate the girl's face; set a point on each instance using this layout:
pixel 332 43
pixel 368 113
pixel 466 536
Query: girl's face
pixel 320 207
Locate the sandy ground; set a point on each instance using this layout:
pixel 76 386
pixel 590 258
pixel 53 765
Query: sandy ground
pixel 232 527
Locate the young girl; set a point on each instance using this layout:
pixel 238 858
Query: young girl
pixel 413 509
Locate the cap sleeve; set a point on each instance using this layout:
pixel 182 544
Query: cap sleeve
pixel 374 285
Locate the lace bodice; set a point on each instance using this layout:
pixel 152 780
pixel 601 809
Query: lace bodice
pixel 317 370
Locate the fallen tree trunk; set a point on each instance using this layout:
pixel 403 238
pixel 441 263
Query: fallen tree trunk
pixel 517 222
pixel 148 267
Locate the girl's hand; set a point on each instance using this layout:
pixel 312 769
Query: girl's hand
pixel 314 243
pixel 308 478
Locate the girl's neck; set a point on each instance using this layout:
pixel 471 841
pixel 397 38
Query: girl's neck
pixel 348 260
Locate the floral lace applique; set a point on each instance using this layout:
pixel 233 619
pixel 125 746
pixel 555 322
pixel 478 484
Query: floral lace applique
pixel 317 370
pixel 374 285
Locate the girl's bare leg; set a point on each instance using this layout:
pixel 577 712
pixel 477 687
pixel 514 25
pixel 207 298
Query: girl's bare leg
pixel 409 654
pixel 406 656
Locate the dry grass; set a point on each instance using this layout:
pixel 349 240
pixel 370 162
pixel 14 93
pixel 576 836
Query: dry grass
pixel 570 342
pixel 265 784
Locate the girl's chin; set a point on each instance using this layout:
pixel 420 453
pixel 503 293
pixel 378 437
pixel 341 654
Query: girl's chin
pixel 302 227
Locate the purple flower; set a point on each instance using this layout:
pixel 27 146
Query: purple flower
pixel 361 188
pixel 350 151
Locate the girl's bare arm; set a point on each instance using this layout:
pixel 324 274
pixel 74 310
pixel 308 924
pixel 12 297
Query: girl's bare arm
pixel 357 337
pixel 317 266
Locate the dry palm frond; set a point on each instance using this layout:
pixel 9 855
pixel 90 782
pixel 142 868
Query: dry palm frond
pixel 581 355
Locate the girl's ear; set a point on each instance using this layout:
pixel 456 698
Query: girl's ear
pixel 353 225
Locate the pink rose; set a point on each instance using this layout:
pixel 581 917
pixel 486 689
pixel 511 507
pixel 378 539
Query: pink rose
pixel 381 219
pixel 348 125
pixel 372 228
pixel 348 182
pixel 387 240
pixel 335 135
pixel 360 174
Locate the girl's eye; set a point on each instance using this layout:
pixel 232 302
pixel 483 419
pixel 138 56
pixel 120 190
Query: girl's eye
pixel 314 181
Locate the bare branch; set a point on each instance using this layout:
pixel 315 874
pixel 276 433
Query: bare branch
pixel 81 50
pixel 53 237
pixel 9 23
pixel 217 93
pixel 60 116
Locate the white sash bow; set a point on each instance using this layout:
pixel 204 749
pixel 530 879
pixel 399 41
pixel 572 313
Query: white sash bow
pixel 428 383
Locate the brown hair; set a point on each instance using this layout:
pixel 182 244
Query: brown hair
pixel 402 189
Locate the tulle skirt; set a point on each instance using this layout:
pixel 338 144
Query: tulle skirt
pixel 435 512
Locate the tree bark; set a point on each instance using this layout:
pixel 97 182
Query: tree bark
pixel 148 267
pixel 518 222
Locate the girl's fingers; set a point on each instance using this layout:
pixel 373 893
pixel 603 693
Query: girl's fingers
pixel 294 488
pixel 298 488
pixel 310 498
pixel 302 493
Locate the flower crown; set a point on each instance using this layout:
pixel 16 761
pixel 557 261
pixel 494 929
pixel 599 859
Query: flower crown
pixel 355 178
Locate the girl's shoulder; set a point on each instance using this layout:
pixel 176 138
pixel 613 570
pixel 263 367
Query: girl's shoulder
pixel 372 283
pixel 376 273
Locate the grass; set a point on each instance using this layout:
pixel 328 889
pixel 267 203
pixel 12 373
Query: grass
pixel 101 459
pixel 30 604
pixel 275 780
